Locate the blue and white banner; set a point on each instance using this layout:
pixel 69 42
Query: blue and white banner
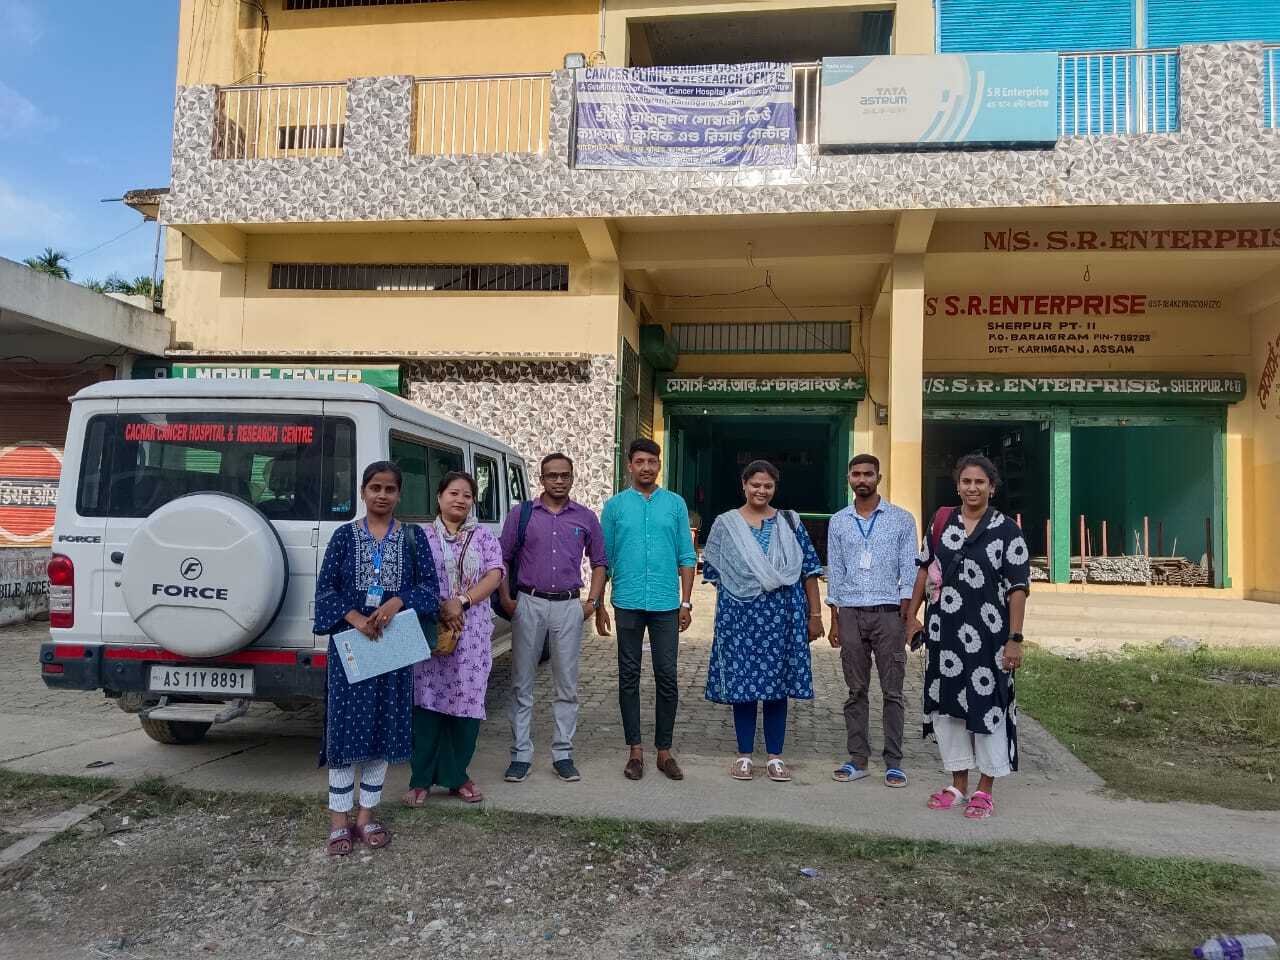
pixel 706 117
pixel 981 98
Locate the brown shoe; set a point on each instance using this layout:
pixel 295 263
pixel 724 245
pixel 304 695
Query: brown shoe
pixel 634 769
pixel 671 768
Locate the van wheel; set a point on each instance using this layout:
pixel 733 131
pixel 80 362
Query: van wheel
pixel 174 731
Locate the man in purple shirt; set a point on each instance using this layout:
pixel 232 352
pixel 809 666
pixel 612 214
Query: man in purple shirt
pixel 548 605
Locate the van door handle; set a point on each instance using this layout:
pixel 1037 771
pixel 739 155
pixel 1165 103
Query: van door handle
pixel 117 557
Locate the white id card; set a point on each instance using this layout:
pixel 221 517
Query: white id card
pixel 374 597
pixel 864 562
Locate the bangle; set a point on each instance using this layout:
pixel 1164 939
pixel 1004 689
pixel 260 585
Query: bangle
pixel 815 616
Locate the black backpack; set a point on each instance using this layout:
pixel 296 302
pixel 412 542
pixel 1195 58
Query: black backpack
pixel 513 573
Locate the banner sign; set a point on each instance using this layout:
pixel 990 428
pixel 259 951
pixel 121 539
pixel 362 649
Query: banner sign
pixel 707 117
pixel 983 388
pixel 763 388
pixel 956 98
pixel 29 473
pixel 385 378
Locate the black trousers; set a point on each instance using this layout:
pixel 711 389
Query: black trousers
pixel 664 645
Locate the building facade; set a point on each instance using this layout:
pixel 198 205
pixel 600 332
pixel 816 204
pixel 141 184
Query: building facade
pixel 370 186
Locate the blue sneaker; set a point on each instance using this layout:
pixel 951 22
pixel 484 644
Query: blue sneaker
pixel 517 772
pixel 566 771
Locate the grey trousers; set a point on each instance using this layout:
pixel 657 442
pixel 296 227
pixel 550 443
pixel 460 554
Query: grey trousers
pixel 560 623
pixel 864 634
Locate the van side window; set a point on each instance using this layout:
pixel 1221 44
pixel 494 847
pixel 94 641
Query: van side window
pixel 95 466
pixel 488 503
pixel 338 495
pixel 423 466
pixel 515 483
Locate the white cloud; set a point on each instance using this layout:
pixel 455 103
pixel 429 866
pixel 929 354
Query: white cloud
pixel 20 25
pixel 19 116
pixel 29 223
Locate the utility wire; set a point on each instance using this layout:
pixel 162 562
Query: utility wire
pixel 118 236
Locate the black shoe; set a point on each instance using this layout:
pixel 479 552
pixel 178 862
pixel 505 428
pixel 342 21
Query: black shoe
pixel 517 772
pixel 566 771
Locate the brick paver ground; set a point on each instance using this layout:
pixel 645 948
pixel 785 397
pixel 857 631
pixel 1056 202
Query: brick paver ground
pixel 815 729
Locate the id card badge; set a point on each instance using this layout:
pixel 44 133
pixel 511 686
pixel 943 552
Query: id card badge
pixel 374 597
pixel 864 562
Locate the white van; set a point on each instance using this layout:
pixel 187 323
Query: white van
pixel 192 518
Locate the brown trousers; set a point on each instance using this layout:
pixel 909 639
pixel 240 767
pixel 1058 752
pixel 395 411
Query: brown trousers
pixel 865 634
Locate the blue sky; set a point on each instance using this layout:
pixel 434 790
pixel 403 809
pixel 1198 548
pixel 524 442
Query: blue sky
pixel 86 111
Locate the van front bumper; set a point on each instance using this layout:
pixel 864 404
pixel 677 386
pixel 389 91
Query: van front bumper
pixel 277 674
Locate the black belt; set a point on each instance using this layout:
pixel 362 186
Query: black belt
pixel 562 595
pixel 879 608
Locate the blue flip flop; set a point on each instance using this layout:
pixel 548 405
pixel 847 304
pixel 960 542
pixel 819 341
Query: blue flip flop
pixel 848 773
pixel 893 777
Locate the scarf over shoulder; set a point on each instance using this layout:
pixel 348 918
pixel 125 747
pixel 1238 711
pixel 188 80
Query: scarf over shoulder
pixel 745 570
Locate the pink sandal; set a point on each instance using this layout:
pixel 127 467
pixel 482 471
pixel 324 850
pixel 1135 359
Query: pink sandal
pixel 945 799
pixel 468 792
pixel 980 806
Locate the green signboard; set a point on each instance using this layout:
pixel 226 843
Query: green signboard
pixel 384 377
pixel 736 388
pixel 1083 388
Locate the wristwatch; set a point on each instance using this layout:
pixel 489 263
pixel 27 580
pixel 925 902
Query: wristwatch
pixel 1015 638
pixel 466 602
pixel 686 605
pixel 595 602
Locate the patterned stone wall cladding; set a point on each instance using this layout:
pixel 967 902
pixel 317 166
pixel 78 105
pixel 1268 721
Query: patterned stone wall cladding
pixel 1221 154
pixel 536 406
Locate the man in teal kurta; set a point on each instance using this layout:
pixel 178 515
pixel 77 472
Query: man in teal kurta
pixel 651 565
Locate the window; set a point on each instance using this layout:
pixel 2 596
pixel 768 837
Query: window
pixel 327 4
pixel 136 463
pixel 515 483
pixel 488 501
pixel 409 277
pixel 423 465
pixel 828 336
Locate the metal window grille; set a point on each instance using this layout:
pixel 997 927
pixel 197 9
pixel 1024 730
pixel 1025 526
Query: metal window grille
pixel 411 277
pixel 1114 93
pixel 822 337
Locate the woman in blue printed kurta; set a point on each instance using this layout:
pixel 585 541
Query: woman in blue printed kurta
pixel 764 567
pixel 364 581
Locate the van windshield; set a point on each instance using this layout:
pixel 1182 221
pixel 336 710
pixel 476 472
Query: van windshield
pixel 292 467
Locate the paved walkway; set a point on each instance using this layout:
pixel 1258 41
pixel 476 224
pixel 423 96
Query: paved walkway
pixel 1053 799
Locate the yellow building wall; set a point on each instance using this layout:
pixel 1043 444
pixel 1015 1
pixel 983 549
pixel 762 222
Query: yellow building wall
pixel 225 308
pixel 1263 454
pixel 219 42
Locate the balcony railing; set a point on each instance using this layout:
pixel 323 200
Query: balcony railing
pixel 1271 87
pixel 268 122
pixel 807 87
pixel 1116 93
pixel 473 116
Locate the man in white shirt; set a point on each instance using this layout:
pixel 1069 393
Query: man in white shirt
pixel 871 553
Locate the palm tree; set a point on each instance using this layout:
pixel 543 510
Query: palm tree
pixel 50 262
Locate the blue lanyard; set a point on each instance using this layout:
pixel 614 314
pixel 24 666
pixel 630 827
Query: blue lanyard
pixel 866 534
pixel 378 547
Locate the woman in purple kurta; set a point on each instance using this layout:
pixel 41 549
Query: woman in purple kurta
pixel 448 691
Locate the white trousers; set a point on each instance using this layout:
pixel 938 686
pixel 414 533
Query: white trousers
pixel 963 750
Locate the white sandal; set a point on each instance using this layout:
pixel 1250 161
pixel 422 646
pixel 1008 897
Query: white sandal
pixel 778 771
pixel 741 769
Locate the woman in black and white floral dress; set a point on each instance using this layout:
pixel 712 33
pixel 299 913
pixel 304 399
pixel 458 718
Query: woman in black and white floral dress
pixel 981 569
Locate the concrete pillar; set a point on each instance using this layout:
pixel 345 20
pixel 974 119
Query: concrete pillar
pixel 906 374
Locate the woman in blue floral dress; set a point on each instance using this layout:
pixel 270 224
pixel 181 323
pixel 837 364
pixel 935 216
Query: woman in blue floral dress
pixel 768 611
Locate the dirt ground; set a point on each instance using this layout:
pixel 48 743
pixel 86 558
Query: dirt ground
pixel 163 874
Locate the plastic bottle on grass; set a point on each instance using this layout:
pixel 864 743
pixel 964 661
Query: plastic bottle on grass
pixel 1251 946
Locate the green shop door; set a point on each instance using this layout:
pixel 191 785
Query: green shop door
pixel 708 445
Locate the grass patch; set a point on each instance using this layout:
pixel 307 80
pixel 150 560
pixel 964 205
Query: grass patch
pixel 22 794
pixel 1158 725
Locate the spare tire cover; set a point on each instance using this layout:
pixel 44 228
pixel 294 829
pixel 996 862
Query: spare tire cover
pixel 205 575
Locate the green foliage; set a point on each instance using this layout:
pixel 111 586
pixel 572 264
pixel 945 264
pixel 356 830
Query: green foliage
pixel 50 262
pixel 1159 725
